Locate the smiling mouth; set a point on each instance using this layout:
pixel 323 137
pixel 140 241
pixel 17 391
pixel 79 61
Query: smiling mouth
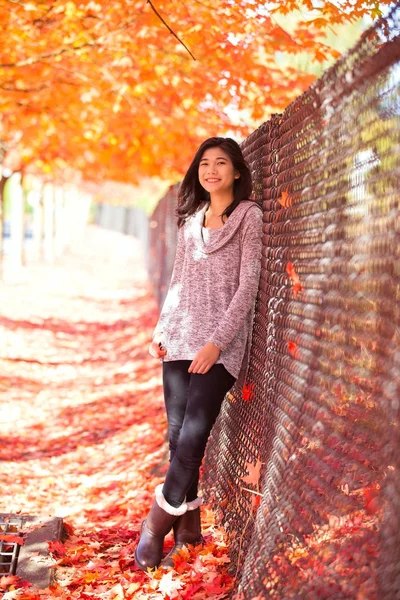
pixel 212 180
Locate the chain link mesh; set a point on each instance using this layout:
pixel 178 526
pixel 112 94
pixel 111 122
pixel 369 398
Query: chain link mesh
pixel 302 467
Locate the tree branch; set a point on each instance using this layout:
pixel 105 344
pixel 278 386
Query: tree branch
pixel 12 88
pixel 93 43
pixel 36 59
pixel 26 6
pixel 169 28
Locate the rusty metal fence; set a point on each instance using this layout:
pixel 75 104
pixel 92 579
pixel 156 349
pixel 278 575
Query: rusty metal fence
pixel 303 463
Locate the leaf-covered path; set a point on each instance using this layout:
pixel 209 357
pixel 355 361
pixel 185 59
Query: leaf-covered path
pixel 82 427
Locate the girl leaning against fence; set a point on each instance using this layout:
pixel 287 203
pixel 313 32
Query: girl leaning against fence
pixel 202 335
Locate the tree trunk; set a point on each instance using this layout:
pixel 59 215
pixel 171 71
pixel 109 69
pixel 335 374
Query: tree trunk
pixel 3 181
pixel 37 225
pixel 17 222
pixel 48 206
pixel 59 225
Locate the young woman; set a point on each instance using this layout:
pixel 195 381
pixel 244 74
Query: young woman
pixel 202 335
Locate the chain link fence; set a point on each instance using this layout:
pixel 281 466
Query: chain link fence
pixel 302 467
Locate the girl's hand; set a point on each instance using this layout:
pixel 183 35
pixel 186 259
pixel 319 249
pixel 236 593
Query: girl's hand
pixel 204 359
pixel 156 348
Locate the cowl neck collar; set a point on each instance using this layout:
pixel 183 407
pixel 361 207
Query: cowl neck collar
pixel 222 235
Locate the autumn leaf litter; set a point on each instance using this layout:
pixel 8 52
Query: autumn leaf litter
pixel 83 432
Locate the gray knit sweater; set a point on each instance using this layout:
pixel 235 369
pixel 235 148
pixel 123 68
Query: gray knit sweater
pixel 213 288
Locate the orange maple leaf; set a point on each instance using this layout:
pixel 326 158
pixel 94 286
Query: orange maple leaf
pixel 320 22
pixel 181 558
pixel 285 200
pixel 253 471
pixel 91 576
pixel 320 56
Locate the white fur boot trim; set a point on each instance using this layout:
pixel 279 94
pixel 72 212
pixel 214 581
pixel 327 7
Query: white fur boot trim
pixel 162 503
pixel 194 503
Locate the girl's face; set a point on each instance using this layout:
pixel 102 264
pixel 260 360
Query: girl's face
pixel 216 171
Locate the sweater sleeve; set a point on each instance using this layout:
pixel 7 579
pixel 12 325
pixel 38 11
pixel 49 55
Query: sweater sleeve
pixel 245 295
pixel 172 297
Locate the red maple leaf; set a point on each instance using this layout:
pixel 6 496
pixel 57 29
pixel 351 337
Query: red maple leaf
pixel 293 350
pixel 12 539
pixel 57 548
pixel 247 393
pixel 7 580
pixel 371 498
pixel 291 271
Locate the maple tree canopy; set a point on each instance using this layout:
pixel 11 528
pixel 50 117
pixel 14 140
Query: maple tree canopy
pixel 126 89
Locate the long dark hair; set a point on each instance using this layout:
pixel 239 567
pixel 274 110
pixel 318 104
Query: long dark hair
pixel 192 194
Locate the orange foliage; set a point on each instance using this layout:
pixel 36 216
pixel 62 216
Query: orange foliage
pixel 295 279
pixel 107 89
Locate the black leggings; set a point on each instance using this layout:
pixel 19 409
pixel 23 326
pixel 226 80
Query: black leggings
pixel 193 402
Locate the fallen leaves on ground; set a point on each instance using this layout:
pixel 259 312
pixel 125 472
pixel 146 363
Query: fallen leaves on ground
pixel 83 427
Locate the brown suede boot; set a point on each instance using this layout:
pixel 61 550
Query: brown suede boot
pixel 159 522
pixel 187 530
